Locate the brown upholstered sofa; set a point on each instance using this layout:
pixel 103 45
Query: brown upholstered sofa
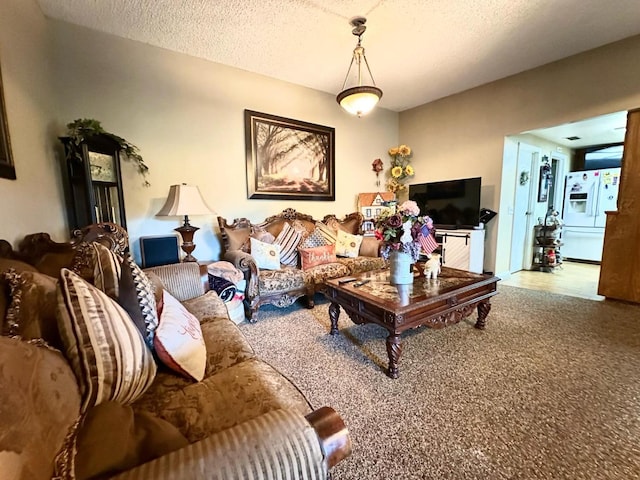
pixel 244 419
pixel 283 286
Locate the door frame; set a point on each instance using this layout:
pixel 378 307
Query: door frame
pixel 527 247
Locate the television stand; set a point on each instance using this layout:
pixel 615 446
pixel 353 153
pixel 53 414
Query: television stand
pixel 462 248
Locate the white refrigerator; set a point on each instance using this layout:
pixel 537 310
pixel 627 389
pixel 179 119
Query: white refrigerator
pixel 587 196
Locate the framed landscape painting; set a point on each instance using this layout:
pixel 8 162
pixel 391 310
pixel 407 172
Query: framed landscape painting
pixel 288 159
pixel 7 169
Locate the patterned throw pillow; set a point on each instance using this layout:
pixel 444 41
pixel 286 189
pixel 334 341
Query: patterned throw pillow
pixel 128 298
pixel 106 352
pixel 266 255
pixel 106 270
pixel 178 340
pixel 327 232
pixel 31 309
pixel 146 299
pixel 289 239
pixel 258 233
pixel 314 239
pixel 312 257
pixel 348 245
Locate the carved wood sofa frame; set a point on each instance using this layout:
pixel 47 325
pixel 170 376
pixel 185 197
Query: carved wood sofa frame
pixel 254 298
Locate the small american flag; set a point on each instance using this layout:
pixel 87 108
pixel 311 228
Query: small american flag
pixel 427 243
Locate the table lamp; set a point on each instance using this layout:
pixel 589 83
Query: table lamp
pixel 185 200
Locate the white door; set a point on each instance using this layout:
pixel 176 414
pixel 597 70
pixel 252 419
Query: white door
pixel 521 237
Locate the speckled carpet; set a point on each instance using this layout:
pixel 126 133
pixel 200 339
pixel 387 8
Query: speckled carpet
pixel 550 390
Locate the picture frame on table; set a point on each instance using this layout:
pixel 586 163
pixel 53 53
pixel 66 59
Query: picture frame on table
pixel 7 168
pixel 288 159
pixel 543 185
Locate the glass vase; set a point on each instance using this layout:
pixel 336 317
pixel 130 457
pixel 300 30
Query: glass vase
pixel 400 268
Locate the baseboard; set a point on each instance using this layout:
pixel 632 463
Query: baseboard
pixel 504 275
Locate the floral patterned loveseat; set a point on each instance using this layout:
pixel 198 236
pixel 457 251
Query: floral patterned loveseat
pixel 284 285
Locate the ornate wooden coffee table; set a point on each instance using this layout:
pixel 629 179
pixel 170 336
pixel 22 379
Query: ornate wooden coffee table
pixel 427 302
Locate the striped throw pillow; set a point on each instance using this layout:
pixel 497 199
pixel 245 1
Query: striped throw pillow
pixel 288 239
pixel 105 349
pixel 106 270
pixel 327 232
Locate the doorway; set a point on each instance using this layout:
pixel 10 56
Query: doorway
pixel 557 144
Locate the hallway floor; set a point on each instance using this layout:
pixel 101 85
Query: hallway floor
pixel 571 278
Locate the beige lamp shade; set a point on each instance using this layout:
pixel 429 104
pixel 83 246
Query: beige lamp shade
pixel 184 199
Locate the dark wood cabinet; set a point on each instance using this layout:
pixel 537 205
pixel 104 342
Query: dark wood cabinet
pixel 93 182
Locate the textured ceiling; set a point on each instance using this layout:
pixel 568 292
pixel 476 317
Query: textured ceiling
pixel 599 130
pixel 418 50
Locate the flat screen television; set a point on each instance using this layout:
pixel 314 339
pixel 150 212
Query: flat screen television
pixel 450 204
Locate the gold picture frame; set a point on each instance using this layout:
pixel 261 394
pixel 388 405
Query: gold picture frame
pixel 7 169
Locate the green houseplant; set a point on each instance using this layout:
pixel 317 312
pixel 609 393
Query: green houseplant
pixel 82 129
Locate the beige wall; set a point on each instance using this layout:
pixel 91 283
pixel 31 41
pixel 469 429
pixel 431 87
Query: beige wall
pixel 464 135
pixel 33 202
pixel 186 116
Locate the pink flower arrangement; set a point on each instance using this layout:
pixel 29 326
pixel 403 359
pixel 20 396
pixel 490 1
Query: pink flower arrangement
pixel 404 231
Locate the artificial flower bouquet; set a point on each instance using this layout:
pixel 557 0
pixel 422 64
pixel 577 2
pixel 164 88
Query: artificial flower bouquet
pixel 405 231
pixel 400 169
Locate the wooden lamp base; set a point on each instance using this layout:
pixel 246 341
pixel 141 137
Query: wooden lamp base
pixel 186 232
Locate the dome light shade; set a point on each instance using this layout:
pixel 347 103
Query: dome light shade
pixel 363 95
pixel 359 100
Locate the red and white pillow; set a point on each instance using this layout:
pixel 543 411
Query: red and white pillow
pixel 178 340
pixel 312 257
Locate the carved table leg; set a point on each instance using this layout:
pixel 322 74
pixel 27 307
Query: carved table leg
pixel 484 308
pixel 394 350
pixel 334 313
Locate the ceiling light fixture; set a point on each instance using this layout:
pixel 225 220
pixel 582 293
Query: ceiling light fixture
pixel 363 97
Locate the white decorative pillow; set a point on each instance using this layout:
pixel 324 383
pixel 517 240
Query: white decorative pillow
pixel 178 341
pixel 105 349
pixel 347 245
pixel 266 255
pixel 289 239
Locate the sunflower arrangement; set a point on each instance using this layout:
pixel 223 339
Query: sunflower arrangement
pixel 401 169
